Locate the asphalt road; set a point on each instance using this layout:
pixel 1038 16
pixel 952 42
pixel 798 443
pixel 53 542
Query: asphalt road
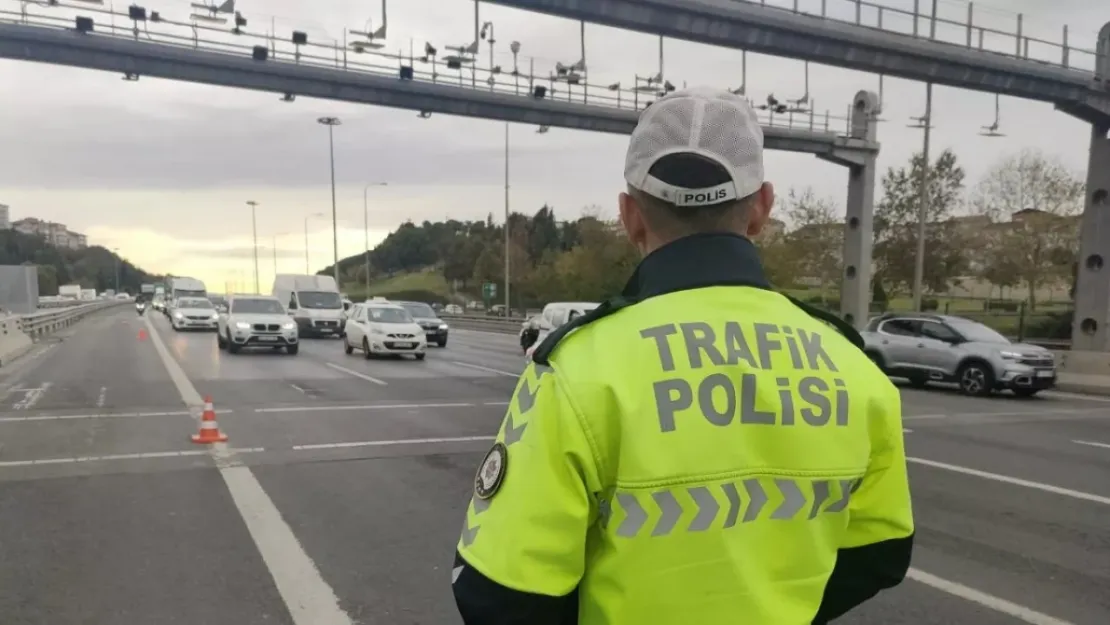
pixel 340 494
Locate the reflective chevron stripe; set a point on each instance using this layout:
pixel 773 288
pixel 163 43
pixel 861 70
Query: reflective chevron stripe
pixel 660 512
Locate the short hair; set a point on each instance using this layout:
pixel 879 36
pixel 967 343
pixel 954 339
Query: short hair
pixel 672 221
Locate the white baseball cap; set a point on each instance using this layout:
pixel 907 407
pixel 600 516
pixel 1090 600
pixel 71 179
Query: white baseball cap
pixel 696 147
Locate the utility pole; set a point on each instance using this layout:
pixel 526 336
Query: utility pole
pixel 254 230
pixel 507 307
pixel 923 197
pixel 331 123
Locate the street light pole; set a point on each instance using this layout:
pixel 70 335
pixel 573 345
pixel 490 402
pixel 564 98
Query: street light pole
pixel 507 308
pixel 115 252
pixel 923 203
pixel 366 229
pixel 331 123
pixel 254 230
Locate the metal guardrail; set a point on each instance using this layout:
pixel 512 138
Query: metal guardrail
pixel 1021 40
pixel 513 325
pixel 48 321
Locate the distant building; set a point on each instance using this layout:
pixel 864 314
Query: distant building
pixel 5 217
pixel 55 234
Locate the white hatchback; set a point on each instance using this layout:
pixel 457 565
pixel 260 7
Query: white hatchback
pixel 383 329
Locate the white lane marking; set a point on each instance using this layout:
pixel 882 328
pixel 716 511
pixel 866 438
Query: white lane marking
pixel 351 408
pixel 997 604
pixel 297 388
pixel 921 417
pixel 31 397
pixel 356 374
pixel 100 398
pixel 1093 444
pixel 309 599
pixel 496 403
pixel 1048 488
pixel 139 456
pixel 98 415
pixel 393 443
pixel 486 369
pixel 905 431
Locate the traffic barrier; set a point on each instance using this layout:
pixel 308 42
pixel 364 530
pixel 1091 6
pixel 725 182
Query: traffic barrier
pixel 501 325
pixel 19 332
pixel 209 429
pixel 514 325
pixel 13 341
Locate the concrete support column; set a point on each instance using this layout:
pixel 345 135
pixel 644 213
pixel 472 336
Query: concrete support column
pixel 859 234
pixel 1091 327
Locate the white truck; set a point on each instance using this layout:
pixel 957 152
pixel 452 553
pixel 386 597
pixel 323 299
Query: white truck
pixel 72 291
pixel 88 294
pixel 313 301
pixel 186 287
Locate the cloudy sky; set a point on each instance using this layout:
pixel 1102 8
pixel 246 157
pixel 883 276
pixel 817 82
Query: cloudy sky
pixel 163 170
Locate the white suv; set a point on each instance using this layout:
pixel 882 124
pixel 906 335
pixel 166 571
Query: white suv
pixel 381 328
pixel 256 321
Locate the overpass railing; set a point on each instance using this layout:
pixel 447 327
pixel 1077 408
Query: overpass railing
pixel 514 75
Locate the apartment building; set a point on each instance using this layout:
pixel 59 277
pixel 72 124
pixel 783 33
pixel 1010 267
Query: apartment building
pixel 55 233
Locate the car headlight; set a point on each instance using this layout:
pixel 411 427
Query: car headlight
pixel 376 331
pixel 1010 355
pixel 215 316
pixel 178 315
pixel 289 325
pixel 242 325
pixel 443 326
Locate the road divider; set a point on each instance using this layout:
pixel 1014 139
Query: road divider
pixel 18 333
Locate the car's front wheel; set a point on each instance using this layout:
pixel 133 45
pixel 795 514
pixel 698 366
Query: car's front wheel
pixel 1026 392
pixel 366 353
pixel 292 349
pixel 347 347
pixel 975 379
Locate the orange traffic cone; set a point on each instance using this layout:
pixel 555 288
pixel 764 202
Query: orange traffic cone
pixel 209 429
pixel 142 335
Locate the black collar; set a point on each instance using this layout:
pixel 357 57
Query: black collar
pixel 697 261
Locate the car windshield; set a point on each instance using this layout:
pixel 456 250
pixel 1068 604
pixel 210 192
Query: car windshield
pixel 194 303
pixel 257 307
pixel 420 311
pixel 179 293
pixel 319 299
pixel 977 332
pixel 389 315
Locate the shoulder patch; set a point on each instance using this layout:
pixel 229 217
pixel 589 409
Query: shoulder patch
pixel 492 472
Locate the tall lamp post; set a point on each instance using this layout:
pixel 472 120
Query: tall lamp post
pixel 254 231
pixel 925 123
pixel 331 123
pixel 507 308
pixel 115 252
pixel 366 229
pixel 307 268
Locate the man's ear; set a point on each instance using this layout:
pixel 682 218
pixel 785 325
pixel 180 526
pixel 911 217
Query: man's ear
pixel 632 218
pixel 760 209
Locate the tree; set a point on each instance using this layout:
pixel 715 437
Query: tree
pixel 815 241
pixel 1034 202
pixel 896 223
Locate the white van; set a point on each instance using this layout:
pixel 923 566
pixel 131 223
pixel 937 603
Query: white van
pixel 554 315
pixel 314 302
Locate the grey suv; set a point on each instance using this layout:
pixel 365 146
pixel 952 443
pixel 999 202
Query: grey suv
pixel 942 348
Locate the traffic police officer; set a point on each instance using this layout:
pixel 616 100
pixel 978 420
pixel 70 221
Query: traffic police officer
pixel 700 450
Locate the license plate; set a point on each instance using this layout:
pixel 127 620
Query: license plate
pixel 325 330
pixel 1046 374
pixel 401 345
pixel 268 339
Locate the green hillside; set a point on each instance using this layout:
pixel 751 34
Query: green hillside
pixel 93 267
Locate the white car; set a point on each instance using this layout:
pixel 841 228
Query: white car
pixel 256 321
pixel 554 316
pixel 194 313
pixel 381 328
